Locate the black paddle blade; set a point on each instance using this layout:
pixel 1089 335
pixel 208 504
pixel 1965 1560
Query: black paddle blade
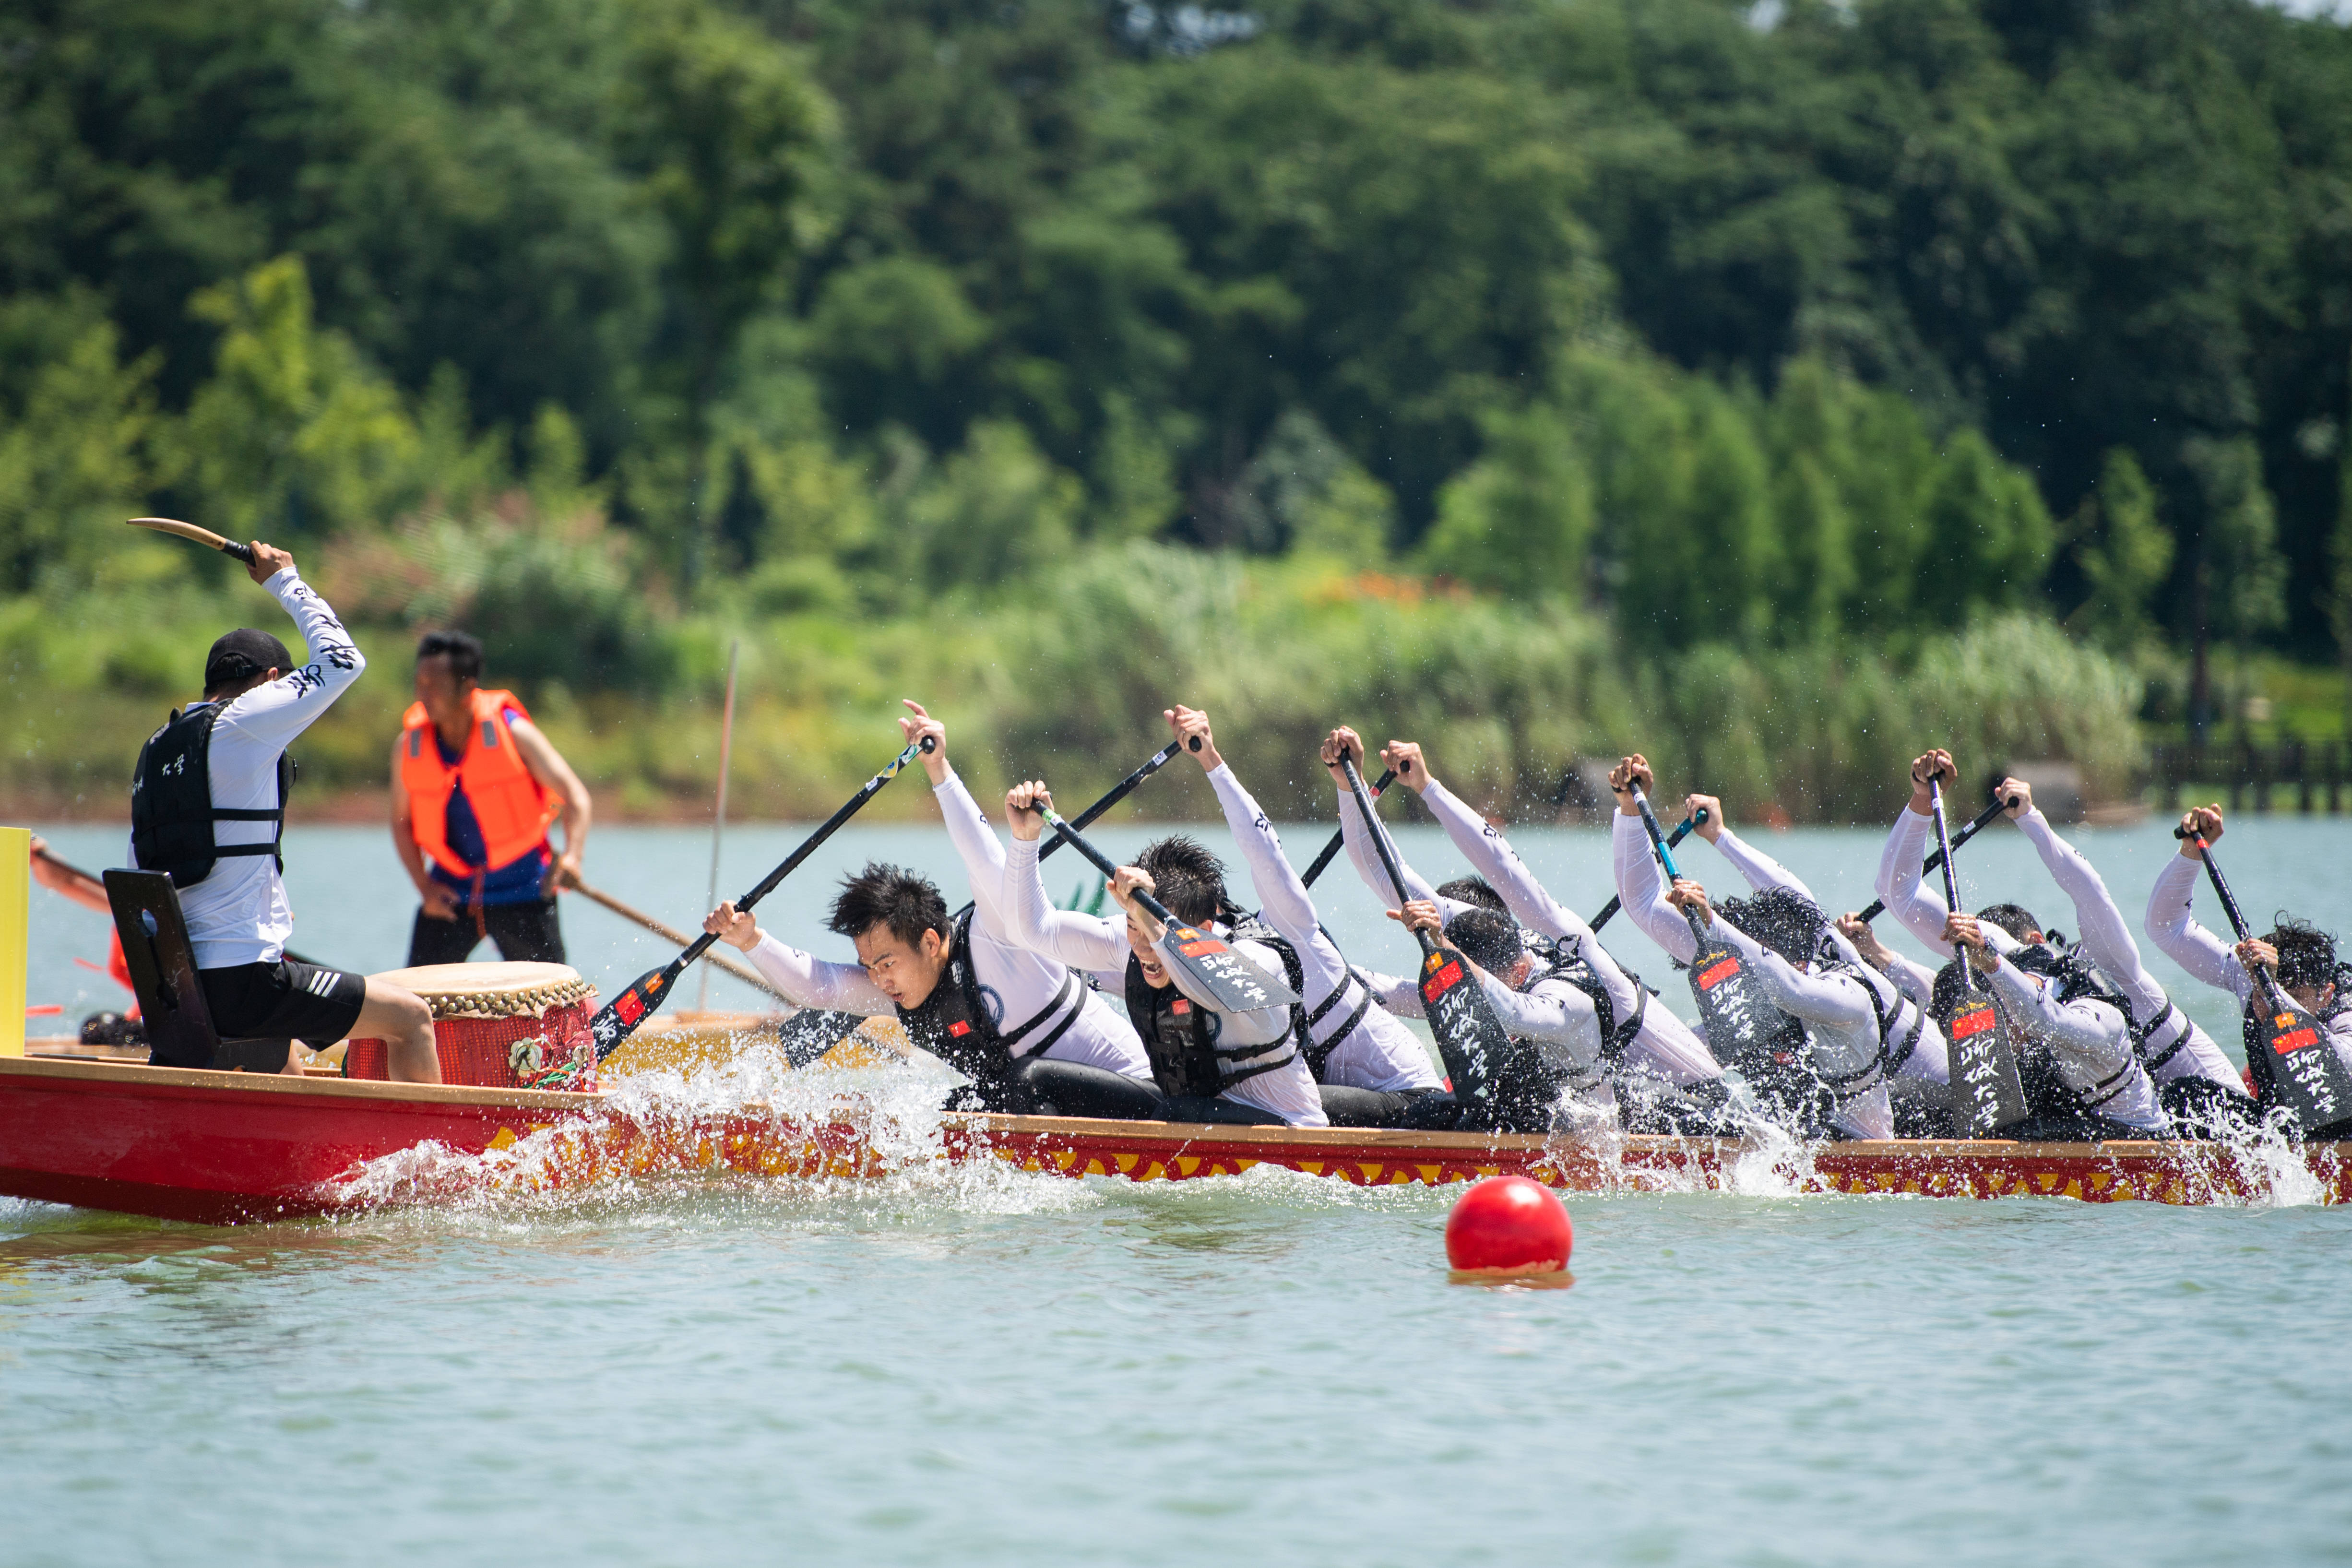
pixel 1470 1039
pixel 619 1019
pixel 1235 984
pixel 811 1032
pixel 2291 1052
pixel 1988 1094
pixel 1747 1030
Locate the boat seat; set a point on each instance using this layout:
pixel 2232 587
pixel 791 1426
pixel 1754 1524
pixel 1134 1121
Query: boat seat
pixel 163 965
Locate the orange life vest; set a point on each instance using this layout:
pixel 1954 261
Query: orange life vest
pixel 513 808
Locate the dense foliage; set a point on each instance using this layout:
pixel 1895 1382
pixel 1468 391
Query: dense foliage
pixel 1739 341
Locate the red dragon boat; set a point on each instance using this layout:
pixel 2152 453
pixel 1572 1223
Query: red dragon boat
pixel 227 1147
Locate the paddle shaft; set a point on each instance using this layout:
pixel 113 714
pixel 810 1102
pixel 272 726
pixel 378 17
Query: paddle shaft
pixel 1682 831
pixel 719 810
pixel 792 862
pixel 1340 837
pixel 241 554
pixel 1943 856
pixel 1119 792
pixel 2229 903
pixel 1387 851
pixel 667 932
pixel 1666 858
pixel 1104 864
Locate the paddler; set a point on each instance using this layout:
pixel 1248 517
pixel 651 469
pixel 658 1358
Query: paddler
pixel 475 787
pixel 1370 1069
pixel 2080 1063
pixel 1210 1065
pixel 2195 1082
pixel 208 806
pixel 1031 1035
pixel 1594 1019
pixel 2300 955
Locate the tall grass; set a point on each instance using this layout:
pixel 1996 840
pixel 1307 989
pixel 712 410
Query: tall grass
pixel 1065 680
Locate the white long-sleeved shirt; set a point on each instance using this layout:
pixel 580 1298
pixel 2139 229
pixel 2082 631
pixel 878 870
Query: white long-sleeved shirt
pixel 2172 925
pixel 1827 1004
pixel 1901 1006
pixel 1908 898
pixel 1097 945
pixel 2089 1042
pixel 239 914
pixel 1664 1047
pixel 1021 983
pixel 1378 1052
pixel 2108 940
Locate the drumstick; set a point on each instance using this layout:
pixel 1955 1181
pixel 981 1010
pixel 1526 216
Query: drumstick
pixel 744 972
pixel 206 536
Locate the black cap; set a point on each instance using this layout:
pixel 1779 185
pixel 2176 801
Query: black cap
pixel 242 653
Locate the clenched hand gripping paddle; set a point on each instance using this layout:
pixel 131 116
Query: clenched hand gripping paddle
pixel 2287 1047
pixel 1736 1012
pixel 1943 855
pixel 1990 1094
pixel 1340 837
pixel 1471 1039
pixel 623 1013
pixel 1237 985
pixel 241 554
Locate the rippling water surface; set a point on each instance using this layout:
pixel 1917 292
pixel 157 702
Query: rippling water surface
pixel 984 1366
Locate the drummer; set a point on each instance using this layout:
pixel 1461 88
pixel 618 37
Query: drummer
pixel 475 787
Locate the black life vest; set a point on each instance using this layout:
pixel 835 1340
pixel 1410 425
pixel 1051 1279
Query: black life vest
pixel 1893 1053
pixel 1180 1036
pixel 2077 980
pixel 1319 1057
pixel 1616 1037
pixel 953 1022
pixel 172 810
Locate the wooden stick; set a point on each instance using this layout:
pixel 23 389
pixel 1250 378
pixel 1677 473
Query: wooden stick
pixel 742 972
pixel 204 536
pixel 719 814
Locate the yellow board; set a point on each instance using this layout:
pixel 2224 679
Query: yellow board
pixel 16 922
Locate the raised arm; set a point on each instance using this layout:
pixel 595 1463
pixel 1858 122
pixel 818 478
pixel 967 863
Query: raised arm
pixel 2104 928
pixel 1822 999
pixel 1637 887
pixel 976 843
pixel 1087 943
pixel 2171 924
pixel 272 715
pixel 1918 907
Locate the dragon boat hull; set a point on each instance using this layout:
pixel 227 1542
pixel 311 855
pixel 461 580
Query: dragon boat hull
pixel 218 1147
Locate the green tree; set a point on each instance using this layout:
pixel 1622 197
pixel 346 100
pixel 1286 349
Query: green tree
pixel 75 449
pixel 1519 519
pixel 2125 554
pixel 1988 535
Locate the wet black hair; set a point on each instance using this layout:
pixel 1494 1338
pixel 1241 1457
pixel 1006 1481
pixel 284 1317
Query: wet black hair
pixel 1783 919
pixel 1186 878
pixel 889 896
pixel 1487 938
pixel 1944 1001
pixel 1476 891
pixel 2306 953
pixel 2014 919
pixel 464 652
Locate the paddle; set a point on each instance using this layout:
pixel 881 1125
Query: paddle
pixel 241 554
pixel 1237 985
pixel 1733 1009
pixel 2314 1085
pixel 1943 855
pixel 1682 831
pixel 667 932
pixel 1340 837
pixel 1469 1037
pixel 613 1023
pixel 1984 1058
pixel 1119 792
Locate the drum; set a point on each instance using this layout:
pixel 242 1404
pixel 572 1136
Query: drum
pixel 504 1025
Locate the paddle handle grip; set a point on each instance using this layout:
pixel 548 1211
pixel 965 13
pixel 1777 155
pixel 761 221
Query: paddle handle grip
pixel 1340 838
pixel 1380 839
pixel 1119 792
pixel 1657 835
pixel 1682 831
pixel 2220 887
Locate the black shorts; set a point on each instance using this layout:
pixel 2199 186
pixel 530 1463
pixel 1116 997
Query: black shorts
pixel 283 1001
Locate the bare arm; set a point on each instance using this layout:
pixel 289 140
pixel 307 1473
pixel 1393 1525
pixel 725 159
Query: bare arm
pixel 440 901
pixel 548 766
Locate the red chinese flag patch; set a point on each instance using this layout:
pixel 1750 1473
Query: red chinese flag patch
pixel 629 1007
pixel 1717 974
pixel 2295 1039
pixel 1179 1007
pixel 958 1028
pixel 1975 1023
pixel 1440 982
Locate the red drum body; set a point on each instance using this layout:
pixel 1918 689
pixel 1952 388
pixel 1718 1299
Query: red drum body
pixel 501 1026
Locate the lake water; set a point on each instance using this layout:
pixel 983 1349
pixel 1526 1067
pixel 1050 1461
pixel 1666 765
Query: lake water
pixel 988 1367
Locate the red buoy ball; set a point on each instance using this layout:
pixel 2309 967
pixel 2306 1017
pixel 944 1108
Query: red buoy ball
pixel 1509 1224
